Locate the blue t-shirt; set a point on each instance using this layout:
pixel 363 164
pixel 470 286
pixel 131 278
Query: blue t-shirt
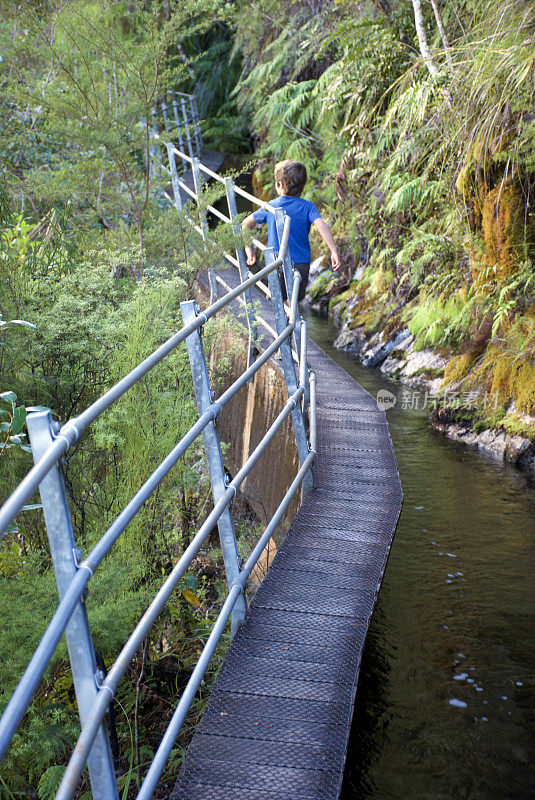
pixel 302 214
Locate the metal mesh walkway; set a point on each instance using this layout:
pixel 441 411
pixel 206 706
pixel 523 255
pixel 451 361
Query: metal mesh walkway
pixel 277 723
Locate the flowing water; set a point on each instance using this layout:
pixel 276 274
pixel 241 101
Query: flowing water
pixel 445 701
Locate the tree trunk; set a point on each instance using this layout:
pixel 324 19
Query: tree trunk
pixel 422 38
pixel 443 34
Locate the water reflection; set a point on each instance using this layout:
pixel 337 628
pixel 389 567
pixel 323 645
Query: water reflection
pixel 445 699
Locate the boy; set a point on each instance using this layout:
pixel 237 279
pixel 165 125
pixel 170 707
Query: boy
pixel 290 179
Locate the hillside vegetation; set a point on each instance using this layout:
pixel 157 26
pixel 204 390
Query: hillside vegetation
pixel 417 126
pixel 94 263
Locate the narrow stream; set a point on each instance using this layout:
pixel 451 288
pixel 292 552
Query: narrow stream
pixel 445 701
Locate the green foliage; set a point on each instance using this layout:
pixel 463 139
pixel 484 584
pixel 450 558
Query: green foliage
pixel 511 293
pixel 12 423
pixel 40 249
pixel 416 156
pixel 119 327
pixel 49 782
pixel 441 321
pixel 86 77
pixel 148 421
pixel 214 70
pixel 495 69
pixel 98 268
pixel 425 253
pixel 48 735
pixel 415 193
pixel 68 356
pixel 12 439
pixel 322 285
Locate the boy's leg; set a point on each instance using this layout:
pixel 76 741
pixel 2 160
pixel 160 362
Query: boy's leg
pixel 303 269
pixel 283 284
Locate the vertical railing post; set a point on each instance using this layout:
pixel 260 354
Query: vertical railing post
pixel 288 367
pixel 214 457
pixel 65 557
pixel 197 182
pixel 165 117
pixel 179 126
pixel 196 124
pixel 187 127
pixel 240 255
pixel 174 176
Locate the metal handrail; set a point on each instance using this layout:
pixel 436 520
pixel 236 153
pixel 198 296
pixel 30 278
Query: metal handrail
pixel 51 442
pixel 70 432
pixel 232 190
pixel 211 174
pixel 33 674
pixel 185 122
pixel 287 268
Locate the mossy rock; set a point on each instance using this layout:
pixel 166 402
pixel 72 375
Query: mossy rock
pixel 428 372
pixel 518 428
pixel 322 285
pixel 393 325
pixel 516 381
pixel 504 233
pixel 459 367
pixel 380 281
pixel 341 298
pixel 369 320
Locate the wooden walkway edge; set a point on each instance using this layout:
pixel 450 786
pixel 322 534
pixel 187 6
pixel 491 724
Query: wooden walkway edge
pixel 277 723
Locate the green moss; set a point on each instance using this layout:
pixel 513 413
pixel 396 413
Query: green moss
pixel 380 281
pixel 511 379
pixel 503 227
pixel 464 416
pixel 524 388
pixel 341 298
pixel 459 367
pixel 392 325
pixel 369 320
pixel 429 372
pixel 517 428
pixel 322 285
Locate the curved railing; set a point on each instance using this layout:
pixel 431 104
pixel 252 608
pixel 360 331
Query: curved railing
pixel 50 441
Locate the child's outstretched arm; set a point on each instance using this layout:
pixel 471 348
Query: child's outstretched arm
pixel 325 233
pixel 249 222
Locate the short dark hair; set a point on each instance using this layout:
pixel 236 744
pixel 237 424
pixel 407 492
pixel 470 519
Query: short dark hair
pixel 292 175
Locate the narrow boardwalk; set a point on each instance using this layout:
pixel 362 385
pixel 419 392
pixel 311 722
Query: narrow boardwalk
pixel 277 723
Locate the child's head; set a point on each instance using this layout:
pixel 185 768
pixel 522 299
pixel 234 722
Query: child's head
pixel 292 176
